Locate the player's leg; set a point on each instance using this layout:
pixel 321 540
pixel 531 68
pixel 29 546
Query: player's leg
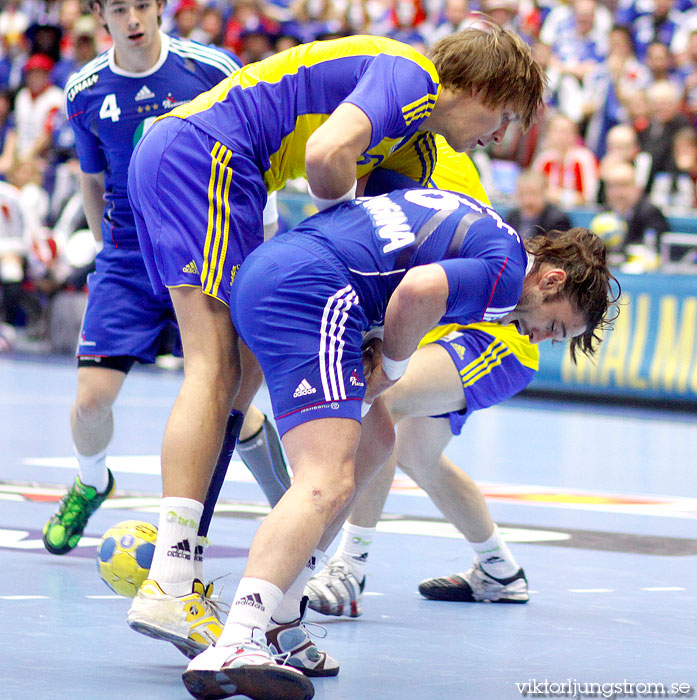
pixel 495 575
pixel 322 454
pixel 92 427
pixel 170 604
pixel 430 385
pixel 260 450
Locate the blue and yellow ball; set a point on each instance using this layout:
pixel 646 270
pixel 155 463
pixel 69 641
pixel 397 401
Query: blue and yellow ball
pixel 125 554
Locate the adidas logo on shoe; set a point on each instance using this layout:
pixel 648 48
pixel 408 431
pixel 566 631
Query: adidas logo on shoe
pixel 181 550
pixel 253 599
pixel 304 389
pixel 145 93
pixel 191 268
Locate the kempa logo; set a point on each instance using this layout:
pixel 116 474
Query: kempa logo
pixel 355 379
pixel 304 389
pixel 191 268
pixel 173 517
pixel 253 599
pixel 181 550
pixel 145 93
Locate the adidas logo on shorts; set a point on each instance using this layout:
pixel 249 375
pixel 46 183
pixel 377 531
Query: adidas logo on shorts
pixel 459 350
pixel 190 268
pixel 304 389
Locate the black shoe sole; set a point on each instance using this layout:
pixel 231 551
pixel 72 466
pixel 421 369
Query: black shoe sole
pixel 256 682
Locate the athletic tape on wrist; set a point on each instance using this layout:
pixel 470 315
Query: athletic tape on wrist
pixel 394 369
pixel 323 204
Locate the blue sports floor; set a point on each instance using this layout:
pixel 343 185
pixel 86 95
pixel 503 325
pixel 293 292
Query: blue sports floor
pixel 600 505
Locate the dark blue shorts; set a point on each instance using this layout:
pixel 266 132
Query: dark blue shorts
pixel 294 307
pixel 198 207
pixel 123 316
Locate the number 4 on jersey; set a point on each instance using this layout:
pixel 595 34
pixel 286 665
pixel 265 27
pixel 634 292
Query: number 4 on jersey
pixel 109 108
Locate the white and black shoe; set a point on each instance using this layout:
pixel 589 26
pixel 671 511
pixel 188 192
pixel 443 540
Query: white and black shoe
pixel 336 591
pixel 476 586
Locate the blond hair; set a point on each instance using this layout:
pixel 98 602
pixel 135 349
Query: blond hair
pixel 495 61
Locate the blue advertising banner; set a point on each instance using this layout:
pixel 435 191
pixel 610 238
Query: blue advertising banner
pixel 651 351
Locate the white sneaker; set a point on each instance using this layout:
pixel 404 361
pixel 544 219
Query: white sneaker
pixel 336 590
pixel 246 669
pixel 291 642
pixel 190 622
pixel 476 586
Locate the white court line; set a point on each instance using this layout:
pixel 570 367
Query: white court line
pixel 23 597
pixel 663 588
pixel 591 590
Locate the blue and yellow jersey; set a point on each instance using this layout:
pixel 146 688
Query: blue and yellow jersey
pixel 494 363
pixel 268 110
pixel 427 158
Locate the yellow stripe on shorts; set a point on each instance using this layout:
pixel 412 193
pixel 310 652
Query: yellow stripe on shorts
pixel 486 362
pixel 218 229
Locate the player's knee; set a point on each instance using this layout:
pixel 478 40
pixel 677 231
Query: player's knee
pixel 92 406
pixel 330 497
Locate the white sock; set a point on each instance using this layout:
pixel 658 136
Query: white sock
pixel 254 603
pixel 173 561
pixel 201 546
pixel 289 607
pixel 495 556
pixel 92 469
pixel 354 547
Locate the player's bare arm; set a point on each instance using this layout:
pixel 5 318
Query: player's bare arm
pixel 416 306
pixel 92 188
pixel 332 151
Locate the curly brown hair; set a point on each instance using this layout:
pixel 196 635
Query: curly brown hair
pixel 588 285
pixel 495 61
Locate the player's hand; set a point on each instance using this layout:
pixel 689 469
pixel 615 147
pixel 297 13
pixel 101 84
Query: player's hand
pixel 377 383
pixel 372 356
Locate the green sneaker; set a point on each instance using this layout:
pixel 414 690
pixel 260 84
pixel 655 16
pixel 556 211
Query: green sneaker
pixel 64 530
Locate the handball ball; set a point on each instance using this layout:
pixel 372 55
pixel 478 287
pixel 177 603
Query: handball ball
pixel 610 228
pixel 124 556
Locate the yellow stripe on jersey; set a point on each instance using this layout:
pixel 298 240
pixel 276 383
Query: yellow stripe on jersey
pixel 274 68
pixel 417 109
pixel 489 359
pixel 215 246
pixel 525 352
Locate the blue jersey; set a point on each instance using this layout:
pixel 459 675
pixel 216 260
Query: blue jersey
pixel 109 108
pixel 377 239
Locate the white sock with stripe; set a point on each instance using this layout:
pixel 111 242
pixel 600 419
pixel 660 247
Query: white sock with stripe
pixel 254 603
pixel 289 608
pixel 354 547
pixel 173 561
pixel 495 556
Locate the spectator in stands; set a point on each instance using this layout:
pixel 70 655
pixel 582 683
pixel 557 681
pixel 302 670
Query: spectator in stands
pixel 45 39
pixel 665 121
pixel 187 18
pixel 570 168
pixel 638 112
pixel 676 188
pixel 607 88
pixel 406 19
pixel 578 35
pixel 688 73
pixel 14 50
pixel 256 44
pixel 658 26
pixel 35 108
pixel 534 212
pixel 84 50
pixel 249 15
pixel 455 13
pixel 213 26
pixel 644 221
pixel 8 135
pixel 622 145
pixel 661 64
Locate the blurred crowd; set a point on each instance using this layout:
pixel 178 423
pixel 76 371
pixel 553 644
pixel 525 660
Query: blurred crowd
pixel 619 135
